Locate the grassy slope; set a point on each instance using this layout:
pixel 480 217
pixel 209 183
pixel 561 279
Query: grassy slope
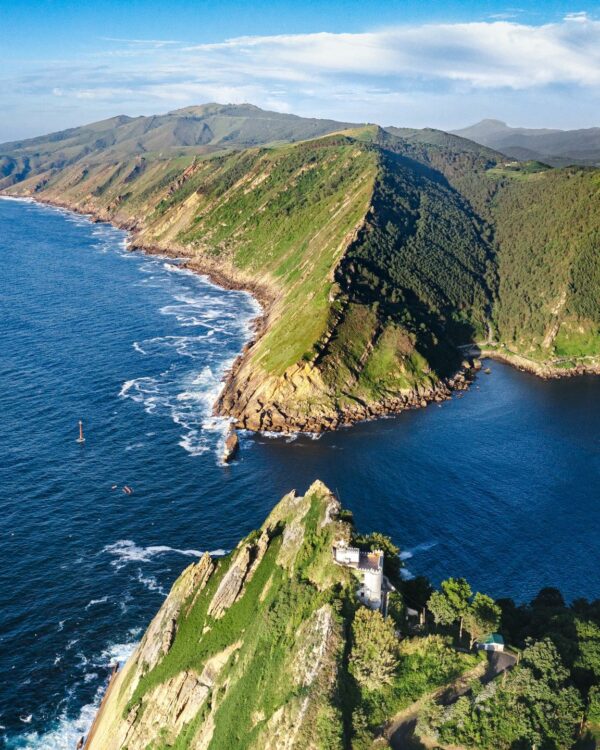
pixel 380 253
pixel 288 216
pixel 193 130
pixel 261 688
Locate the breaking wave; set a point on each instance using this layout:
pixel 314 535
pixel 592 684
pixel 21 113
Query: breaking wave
pixel 67 729
pixel 215 324
pixel 126 551
pixel 408 554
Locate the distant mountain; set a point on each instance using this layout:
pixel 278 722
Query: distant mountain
pixel 201 129
pixel 555 147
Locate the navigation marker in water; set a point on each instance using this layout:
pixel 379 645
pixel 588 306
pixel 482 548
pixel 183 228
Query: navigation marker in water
pixel 80 439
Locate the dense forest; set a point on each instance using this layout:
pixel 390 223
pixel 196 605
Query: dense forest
pixel 542 692
pixel 378 253
pixel 548 232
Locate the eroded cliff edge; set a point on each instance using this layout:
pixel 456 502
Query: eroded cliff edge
pixel 376 255
pixel 245 646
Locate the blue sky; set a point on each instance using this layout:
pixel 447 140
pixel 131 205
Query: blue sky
pixel 440 64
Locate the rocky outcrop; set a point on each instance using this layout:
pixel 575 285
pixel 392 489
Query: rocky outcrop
pixel 232 445
pixel 245 562
pixel 160 635
pixel 188 702
pixel 112 730
pixel 300 401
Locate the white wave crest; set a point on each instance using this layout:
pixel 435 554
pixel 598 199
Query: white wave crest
pixel 92 602
pixel 423 547
pixel 150 583
pixel 66 730
pixel 126 551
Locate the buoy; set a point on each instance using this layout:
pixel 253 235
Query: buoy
pixel 80 439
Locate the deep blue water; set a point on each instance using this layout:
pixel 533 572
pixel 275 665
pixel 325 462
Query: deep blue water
pixel 500 485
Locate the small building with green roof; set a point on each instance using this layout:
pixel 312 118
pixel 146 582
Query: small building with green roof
pixel 494 642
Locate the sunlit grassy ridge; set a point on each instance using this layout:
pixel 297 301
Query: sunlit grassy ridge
pixel 272 669
pixel 287 213
pixel 378 251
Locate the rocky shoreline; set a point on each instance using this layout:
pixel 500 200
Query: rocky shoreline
pixel 273 418
pixel 232 401
pixel 542 370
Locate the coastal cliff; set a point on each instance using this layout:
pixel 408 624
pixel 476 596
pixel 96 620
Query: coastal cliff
pixel 245 651
pixel 376 254
pixel 272 647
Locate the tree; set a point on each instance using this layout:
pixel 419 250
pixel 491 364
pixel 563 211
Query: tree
pixel 451 603
pixel 374 655
pixel 430 718
pixel 458 593
pixel 396 609
pixel 416 592
pixel 593 711
pixel 442 610
pixel 482 618
pixel 548 597
pixel 544 661
pixel 533 708
pixel 588 642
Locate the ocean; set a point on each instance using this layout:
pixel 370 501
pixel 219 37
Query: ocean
pixel 500 484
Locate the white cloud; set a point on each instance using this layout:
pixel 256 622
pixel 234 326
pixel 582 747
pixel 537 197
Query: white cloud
pixel 482 54
pixel 580 17
pixel 395 74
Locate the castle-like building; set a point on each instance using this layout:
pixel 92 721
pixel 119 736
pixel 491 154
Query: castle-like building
pixel 370 566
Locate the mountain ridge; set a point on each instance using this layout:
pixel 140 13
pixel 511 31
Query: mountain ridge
pixel 377 252
pixel 554 146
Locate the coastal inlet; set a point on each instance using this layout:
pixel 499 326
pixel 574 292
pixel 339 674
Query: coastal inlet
pixel 496 484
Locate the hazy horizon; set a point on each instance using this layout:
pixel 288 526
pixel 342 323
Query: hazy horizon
pixel 446 65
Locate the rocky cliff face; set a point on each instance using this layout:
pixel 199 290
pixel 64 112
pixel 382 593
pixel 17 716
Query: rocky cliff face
pixel 375 256
pixel 245 651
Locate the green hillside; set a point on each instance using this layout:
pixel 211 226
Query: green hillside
pixel 269 648
pixel 548 226
pixel 202 129
pixel 377 253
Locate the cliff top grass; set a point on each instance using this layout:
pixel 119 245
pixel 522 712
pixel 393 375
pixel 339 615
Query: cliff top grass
pixel 284 641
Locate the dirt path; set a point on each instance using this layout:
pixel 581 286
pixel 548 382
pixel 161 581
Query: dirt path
pixel 400 731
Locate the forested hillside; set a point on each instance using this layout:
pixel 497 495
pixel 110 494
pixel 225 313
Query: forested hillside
pixel 377 252
pixel 548 229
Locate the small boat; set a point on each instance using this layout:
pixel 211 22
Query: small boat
pixel 128 490
pixel 114 487
pixel 487 371
pixel 80 439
